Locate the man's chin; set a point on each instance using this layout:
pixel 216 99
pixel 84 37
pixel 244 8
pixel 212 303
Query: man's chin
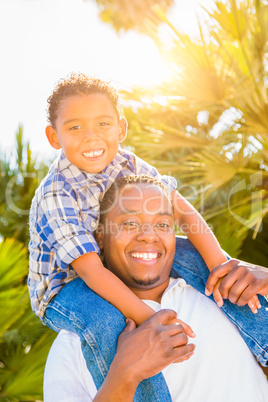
pixel 146 281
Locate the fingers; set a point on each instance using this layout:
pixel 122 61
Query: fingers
pixel 240 286
pixel 217 294
pixel 176 321
pixel 239 282
pixel 254 304
pixel 179 340
pixel 130 326
pixel 188 330
pixel 164 316
pixel 183 353
pixel 217 273
pixel 186 357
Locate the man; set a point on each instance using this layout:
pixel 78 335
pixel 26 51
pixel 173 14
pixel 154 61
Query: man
pixel 138 243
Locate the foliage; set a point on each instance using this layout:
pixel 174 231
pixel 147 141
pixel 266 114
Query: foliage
pixel 24 341
pixel 20 175
pixel 212 118
pixel 125 15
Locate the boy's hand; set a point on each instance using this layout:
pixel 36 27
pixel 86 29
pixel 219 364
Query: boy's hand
pixel 239 282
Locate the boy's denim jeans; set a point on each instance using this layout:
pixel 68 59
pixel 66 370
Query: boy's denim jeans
pixel 78 309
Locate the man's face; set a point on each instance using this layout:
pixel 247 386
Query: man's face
pixel 88 130
pixel 138 236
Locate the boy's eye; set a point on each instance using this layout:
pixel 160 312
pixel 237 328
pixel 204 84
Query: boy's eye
pixel 75 128
pixel 103 123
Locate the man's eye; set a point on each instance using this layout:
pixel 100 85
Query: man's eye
pixel 130 224
pixel 163 225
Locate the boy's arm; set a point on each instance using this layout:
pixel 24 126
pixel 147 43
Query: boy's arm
pixel 197 231
pixel 200 235
pixel 107 285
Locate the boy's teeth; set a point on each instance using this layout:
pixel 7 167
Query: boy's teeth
pixel 93 154
pixel 145 256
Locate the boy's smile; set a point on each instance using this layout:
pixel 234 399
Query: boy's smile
pixel 88 130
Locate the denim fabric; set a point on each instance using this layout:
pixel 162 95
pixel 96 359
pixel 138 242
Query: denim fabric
pixel 99 325
pixel 189 264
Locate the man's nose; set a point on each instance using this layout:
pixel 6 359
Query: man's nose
pixel 147 233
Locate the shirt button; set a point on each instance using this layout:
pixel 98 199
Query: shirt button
pixel 93 225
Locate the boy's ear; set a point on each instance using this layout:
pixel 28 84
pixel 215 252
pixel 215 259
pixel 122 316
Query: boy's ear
pixel 122 129
pixel 99 236
pixel 52 137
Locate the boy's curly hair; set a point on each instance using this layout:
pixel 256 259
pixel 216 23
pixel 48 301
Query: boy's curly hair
pixel 77 84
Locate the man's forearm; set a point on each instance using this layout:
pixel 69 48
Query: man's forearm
pixel 118 386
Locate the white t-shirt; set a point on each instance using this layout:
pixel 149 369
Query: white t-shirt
pixel 222 368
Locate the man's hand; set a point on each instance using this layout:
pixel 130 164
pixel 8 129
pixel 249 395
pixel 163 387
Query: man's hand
pixel 155 344
pixel 239 282
pixel 142 353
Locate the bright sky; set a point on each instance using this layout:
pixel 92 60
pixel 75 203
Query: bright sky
pixel 44 40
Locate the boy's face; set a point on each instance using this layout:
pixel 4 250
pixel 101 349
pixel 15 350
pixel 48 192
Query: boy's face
pixel 88 130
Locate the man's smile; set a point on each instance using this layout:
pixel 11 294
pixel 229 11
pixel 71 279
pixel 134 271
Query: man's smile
pixel 145 256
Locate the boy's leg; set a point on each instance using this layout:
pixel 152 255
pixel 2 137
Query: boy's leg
pixel 189 264
pixel 78 309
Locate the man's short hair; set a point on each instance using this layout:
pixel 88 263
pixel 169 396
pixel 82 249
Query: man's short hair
pixel 109 200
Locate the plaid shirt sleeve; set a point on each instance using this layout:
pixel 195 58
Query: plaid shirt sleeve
pixel 61 227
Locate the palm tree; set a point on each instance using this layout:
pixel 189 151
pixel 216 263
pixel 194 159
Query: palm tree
pixel 209 126
pixel 24 341
pixel 124 15
pixel 18 184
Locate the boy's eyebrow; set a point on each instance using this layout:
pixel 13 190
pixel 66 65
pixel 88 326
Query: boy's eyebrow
pixel 106 116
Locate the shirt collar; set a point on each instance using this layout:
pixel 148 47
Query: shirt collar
pixel 73 173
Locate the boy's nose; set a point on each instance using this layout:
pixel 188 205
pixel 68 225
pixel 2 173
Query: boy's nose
pixel 89 134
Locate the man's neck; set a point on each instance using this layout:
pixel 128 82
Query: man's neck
pixel 154 293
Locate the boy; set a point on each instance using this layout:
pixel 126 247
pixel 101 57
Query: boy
pixel 86 122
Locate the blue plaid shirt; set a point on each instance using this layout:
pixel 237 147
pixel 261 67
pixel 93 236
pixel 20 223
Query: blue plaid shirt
pixel 64 214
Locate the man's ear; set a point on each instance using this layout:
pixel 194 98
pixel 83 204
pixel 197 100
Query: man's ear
pixel 122 129
pixel 52 137
pixel 99 236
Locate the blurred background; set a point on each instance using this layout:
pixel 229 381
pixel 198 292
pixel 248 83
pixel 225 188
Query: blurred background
pixel 194 81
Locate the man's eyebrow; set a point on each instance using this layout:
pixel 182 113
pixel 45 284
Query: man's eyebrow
pixel 135 212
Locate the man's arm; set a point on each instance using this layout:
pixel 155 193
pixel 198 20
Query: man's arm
pixel 142 353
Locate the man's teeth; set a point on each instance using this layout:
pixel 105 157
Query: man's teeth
pixel 145 256
pixel 93 154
